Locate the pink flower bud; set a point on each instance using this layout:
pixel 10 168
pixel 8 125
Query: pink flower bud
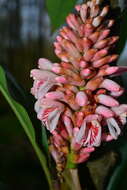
pixel 83 12
pixel 55 95
pixel 94 37
pixel 104 11
pixel 107 100
pixel 120 109
pixel 44 64
pixel 73 22
pixel 104 111
pixel 83 64
pixel 86 72
pixel 61 79
pixel 100 54
pixel 89 54
pixel 93 84
pixel 110 85
pixel 81 98
pixel 79 118
pixel 56 69
pixel 104 34
pixel 117 94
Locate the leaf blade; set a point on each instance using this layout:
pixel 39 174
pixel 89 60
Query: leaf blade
pixel 26 123
pixel 59 10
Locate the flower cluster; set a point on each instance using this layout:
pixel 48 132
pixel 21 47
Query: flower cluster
pixel 76 98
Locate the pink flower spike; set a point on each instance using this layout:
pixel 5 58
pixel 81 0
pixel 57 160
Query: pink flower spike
pixel 104 111
pixel 44 64
pixel 107 100
pixel 81 98
pixel 76 98
pixel 110 85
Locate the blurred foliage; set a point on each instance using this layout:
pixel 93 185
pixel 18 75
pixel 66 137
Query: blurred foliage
pixel 58 11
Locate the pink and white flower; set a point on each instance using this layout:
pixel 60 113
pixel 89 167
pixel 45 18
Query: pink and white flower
pixel 76 99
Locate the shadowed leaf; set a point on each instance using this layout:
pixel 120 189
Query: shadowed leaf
pixel 58 10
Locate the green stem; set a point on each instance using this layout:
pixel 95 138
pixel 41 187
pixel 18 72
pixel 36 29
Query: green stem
pixel 75 179
pixel 70 163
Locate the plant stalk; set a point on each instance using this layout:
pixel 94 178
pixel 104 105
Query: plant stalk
pixel 75 179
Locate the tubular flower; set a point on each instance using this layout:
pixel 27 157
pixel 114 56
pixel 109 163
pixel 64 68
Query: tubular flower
pixel 76 99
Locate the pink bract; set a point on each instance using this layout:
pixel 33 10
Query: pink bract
pixel 76 99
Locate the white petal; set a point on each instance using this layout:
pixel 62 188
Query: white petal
pixel 44 88
pixel 37 106
pixel 54 122
pixel 123 118
pixel 98 137
pixel 45 64
pixel 81 132
pixel 113 128
pixel 91 135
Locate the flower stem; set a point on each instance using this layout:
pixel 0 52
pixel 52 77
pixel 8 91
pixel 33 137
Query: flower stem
pixel 70 163
pixel 75 179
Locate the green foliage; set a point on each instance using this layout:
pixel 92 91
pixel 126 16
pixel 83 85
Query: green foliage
pixel 119 178
pixel 26 123
pixel 123 31
pixel 58 10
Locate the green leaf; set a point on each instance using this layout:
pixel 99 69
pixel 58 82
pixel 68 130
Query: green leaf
pixel 118 179
pixel 58 10
pixel 17 108
pixel 123 62
pixel 26 123
pixel 44 140
pixel 123 31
